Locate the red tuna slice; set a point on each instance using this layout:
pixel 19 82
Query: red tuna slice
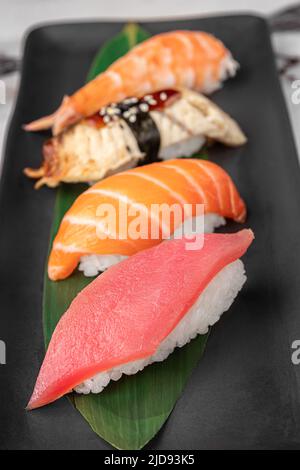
pixel 125 313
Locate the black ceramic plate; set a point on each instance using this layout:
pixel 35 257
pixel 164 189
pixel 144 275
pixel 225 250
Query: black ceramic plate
pixel 245 391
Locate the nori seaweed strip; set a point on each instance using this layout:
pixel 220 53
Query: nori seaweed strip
pixel 147 135
pixel 136 114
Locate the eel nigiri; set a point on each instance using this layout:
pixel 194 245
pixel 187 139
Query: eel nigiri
pixel 166 124
pixel 196 60
pixel 83 236
pixel 130 317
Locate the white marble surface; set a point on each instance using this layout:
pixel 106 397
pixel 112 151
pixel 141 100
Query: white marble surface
pixel 17 16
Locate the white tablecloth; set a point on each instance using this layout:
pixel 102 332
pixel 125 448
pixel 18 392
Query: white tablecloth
pixel 17 16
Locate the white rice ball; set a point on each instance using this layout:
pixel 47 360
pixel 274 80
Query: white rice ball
pixel 207 310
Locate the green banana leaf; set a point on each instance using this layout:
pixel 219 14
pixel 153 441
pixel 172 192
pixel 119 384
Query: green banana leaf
pixel 128 413
pixel 112 50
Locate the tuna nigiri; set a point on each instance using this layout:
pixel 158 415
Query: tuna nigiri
pixel 166 124
pixel 128 317
pixel 83 236
pixel 196 60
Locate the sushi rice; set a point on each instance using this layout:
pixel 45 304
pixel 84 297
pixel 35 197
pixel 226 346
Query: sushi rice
pixel 91 265
pixel 206 311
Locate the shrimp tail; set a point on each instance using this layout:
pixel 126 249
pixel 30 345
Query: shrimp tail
pixel 65 116
pixel 40 124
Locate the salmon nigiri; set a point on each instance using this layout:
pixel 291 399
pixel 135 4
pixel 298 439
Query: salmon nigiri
pixel 86 237
pixel 196 60
pixel 130 316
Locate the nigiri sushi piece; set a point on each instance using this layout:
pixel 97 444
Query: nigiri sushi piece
pixel 195 60
pixel 166 124
pixel 130 316
pixel 84 236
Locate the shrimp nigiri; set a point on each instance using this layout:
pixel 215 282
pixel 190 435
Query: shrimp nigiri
pixel 85 236
pixel 191 59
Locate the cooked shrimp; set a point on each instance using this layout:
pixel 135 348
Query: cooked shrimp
pixel 195 60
